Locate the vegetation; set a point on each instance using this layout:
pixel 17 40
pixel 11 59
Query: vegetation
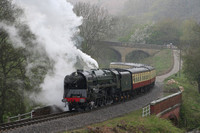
pixel 123 29
pixel 162 60
pixel 14 79
pixel 11 68
pixel 190 108
pixel 191 50
pixel 156 10
pixel 11 73
pixel 164 32
pixel 161 22
pixel 132 123
pixel 96 26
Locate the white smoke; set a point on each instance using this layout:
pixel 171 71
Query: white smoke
pixel 13 34
pixel 54 24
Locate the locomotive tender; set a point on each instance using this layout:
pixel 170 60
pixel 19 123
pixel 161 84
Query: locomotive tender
pixel 98 87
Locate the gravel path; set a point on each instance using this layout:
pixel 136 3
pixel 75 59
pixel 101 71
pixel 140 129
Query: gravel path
pixel 101 115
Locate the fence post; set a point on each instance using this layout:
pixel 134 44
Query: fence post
pixel 19 117
pixel 32 114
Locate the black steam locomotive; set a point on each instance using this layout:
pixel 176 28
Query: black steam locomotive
pixel 98 87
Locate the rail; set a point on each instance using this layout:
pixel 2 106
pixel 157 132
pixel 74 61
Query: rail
pixel 30 121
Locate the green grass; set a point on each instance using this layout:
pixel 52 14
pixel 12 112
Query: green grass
pixel 162 61
pixel 190 108
pixel 132 122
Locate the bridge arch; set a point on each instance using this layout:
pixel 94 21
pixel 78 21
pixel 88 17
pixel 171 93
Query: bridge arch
pixel 106 55
pixel 173 119
pixel 117 54
pixel 125 48
pixel 136 55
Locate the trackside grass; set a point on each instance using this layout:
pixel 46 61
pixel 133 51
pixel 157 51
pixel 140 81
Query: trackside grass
pixel 190 109
pixel 162 61
pixel 131 123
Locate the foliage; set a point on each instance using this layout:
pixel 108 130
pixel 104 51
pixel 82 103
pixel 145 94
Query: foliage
pixel 8 12
pixel 142 34
pixel 96 26
pixel 11 67
pixel 157 10
pixel 162 32
pixel 15 81
pixel 162 61
pixel 123 28
pixel 190 108
pixel 189 35
pixel 165 32
pixel 191 49
pixel 12 78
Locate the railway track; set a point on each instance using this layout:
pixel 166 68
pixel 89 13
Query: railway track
pixel 44 118
pixel 30 121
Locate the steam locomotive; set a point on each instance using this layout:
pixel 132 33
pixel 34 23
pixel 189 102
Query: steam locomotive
pixel 98 87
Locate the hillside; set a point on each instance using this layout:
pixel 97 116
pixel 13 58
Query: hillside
pixel 156 10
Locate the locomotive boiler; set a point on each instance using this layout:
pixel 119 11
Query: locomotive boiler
pixel 87 89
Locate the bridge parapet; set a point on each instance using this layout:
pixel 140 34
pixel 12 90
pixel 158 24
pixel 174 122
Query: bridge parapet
pixel 132 45
pixel 167 107
pixel 165 104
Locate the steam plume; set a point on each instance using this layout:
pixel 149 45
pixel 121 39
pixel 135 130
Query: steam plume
pixel 54 24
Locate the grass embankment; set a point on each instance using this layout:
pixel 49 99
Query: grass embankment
pixel 162 61
pixel 190 108
pixel 132 123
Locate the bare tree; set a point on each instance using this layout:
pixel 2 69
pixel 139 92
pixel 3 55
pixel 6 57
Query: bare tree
pixel 97 24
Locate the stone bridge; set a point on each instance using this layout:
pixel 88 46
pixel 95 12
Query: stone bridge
pixel 167 107
pixel 123 49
